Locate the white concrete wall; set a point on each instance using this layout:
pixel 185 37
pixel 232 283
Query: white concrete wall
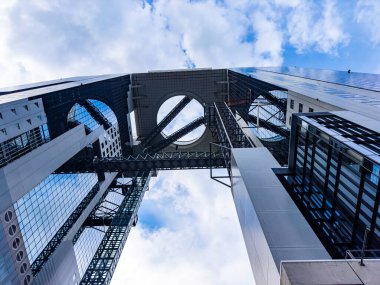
pixel 19 117
pixel 273 227
pixel 307 102
pixel 61 268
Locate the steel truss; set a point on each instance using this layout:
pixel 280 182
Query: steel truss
pixel 228 134
pixel 227 122
pixel 157 161
pixel 270 126
pixel 62 232
pixel 161 161
pixel 165 121
pixel 103 264
pixel 279 146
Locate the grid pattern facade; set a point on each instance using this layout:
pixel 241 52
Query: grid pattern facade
pixel 86 246
pixel 355 79
pixel 43 210
pixel 105 111
pixel 91 237
pixel 18 146
pixel 334 183
pixel 78 114
pixel 313 87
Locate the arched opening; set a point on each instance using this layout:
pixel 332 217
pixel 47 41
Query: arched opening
pixel 92 113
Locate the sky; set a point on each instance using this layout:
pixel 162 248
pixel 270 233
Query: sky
pixel 188 231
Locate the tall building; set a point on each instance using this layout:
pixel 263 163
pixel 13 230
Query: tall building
pixel 300 146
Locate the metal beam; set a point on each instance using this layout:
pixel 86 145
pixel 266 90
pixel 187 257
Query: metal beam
pixel 165 121
pixel 97 222
pixel 270 126
pixel 73 124
pixel 162 161
pixel 95 113
pixel 236 136
pixel 103 264
pixel 175 136
pixel 158 161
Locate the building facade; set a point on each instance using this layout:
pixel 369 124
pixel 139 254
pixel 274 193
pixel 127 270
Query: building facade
pixel 300 147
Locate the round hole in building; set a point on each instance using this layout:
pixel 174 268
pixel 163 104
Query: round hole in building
pixel 16 243
pixel 20 256
pixel 23 268
pixel 12 230
pixel 27 279
pixel 8 216
pixel 191 113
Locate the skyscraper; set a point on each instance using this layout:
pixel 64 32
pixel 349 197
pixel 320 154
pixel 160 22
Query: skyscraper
pixel 72 175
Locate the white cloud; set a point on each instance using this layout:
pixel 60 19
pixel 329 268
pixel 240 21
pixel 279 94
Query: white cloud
pixel 41 40
pixel 319 28
pixel 367 14
pixel 199 241
pixel 268 45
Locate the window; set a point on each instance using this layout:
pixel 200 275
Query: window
pixel 8 216
pixel 291 104
pixel 300 108
pixel 311 110
pixel 290 120
pixel 16 243
pixel 12 230
pixel 20 256
pixel 23 268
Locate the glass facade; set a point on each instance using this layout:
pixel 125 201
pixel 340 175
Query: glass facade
pixel 86 246
pixel 78 114
pixel 354 79
pixel 312 86
pixel 16 147
pixel 91 237
pixel 43 210
pixel 105 110
pixel 335 181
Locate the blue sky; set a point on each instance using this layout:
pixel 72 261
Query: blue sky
pixel 188 231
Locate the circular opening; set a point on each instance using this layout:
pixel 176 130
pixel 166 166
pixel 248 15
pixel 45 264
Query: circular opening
pixel 191 112
pixel 12 230
pixel 16 243
pixel 23 268
pixel 8 216
pixel 27 279
pixel 20 256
